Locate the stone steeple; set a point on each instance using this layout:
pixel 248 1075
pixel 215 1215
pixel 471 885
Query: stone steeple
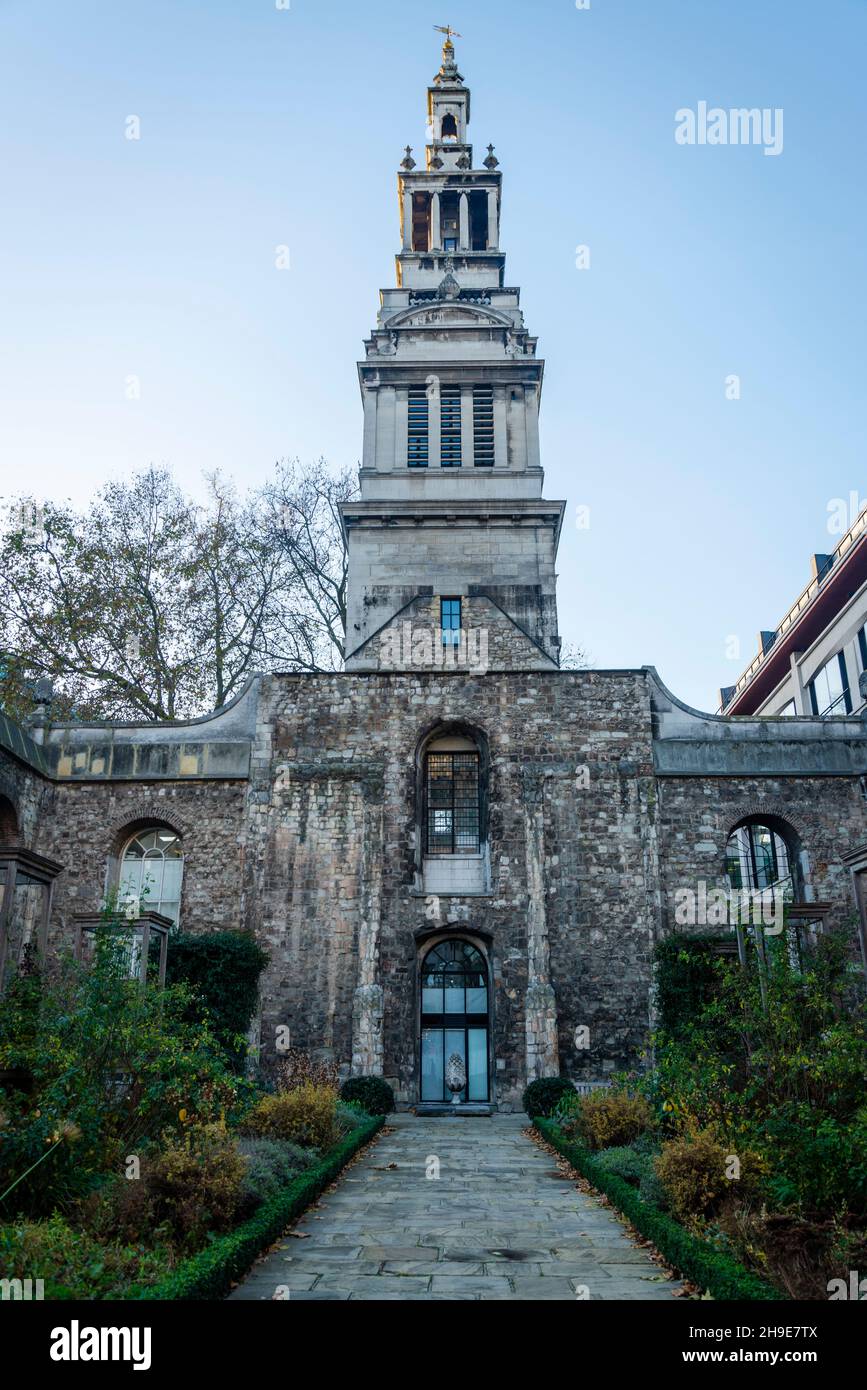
pixel 451 480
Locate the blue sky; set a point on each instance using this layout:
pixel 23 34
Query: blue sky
pixel 263 127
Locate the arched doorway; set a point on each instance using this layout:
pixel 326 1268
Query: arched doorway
pixel 454 1019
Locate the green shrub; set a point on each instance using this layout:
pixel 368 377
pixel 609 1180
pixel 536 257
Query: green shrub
pixel 819 1162
pixel 74 1264
pixel 349 1116
pixel 271 1165
pixel 372 1093
pixel 306 1116
pixel 651 1189
pixel 104 1064
pixel 222 972
pixel 542 1097
pixel 624 1163
pixel 196 1185
pixel 609 1118
pixel 687 978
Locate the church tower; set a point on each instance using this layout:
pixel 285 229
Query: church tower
pixel 451 534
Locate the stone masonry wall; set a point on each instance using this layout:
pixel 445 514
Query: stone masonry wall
pixel 332 859
pixel 697 814
pixel 30 794
pixel 412 641
pixel 91 821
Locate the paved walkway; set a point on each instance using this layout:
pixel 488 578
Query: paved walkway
pixel 500 1222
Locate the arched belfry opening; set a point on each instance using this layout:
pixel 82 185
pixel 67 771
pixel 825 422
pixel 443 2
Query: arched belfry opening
pixel 449 127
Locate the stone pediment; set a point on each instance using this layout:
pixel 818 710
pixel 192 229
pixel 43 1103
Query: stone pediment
pixel 439 314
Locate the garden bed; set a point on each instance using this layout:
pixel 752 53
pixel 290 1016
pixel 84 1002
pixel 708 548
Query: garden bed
pixel 711 1270
pixel 211 1272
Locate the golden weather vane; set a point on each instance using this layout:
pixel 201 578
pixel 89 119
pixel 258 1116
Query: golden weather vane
pixel 449 32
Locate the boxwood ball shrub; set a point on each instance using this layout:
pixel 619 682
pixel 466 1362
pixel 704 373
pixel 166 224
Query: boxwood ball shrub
pixel 542 1097
pixel 370 1092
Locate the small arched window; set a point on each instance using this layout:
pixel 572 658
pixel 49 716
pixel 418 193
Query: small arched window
pixel 449 127
pixel 151 870
pixel 760 854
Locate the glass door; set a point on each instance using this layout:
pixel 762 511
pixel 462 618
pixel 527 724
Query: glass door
pixel 454 1021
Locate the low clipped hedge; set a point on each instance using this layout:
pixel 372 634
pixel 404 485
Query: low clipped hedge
pixel 211 1273
pixel 709 1269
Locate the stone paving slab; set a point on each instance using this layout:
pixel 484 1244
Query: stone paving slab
pixel 500 1222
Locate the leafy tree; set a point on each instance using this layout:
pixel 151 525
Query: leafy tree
pixel 304 521
pixel 150 605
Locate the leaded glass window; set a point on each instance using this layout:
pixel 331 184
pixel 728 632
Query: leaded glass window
pixel 452 803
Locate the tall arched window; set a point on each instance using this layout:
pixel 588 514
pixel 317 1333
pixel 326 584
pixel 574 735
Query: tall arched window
pixel 761 854
pixel 454 1020
pixel 151 869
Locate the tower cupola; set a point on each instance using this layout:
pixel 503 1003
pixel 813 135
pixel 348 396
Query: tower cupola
pixel 448 114
pixel 451 524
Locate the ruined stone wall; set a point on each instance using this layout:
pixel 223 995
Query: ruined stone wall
pixel 597 811
pixel 331 882
pixel 697 815
pixel 91 821
pixel 30 793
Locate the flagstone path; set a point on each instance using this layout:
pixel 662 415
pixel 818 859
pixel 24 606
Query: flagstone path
pixel 499 1222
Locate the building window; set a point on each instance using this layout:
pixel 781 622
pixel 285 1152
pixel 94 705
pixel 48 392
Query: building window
pixel 787 711
pixel 417 442
pixel 151 871
pixel 829 688
pixel 450 621
pixel 452 803
pixel 757 857
pixel 862 647
pixel 483 426
pixel 450 427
